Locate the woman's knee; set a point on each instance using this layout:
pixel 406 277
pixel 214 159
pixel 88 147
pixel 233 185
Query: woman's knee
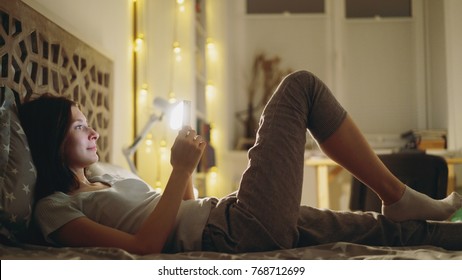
pixel 303 82
pixel 301 74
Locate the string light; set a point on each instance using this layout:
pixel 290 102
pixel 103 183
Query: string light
pixel 181 6
pixel 149 143
pixel 212 178
pixel 171 97
pixel 213 174
pixel 143 97
pixel 177 51
pixel 210 91
pixel 179 54
pixel 160 163
pixel 214 133
pixel 211 50
pixel 212 57
pixel 139 42
pixel 163 150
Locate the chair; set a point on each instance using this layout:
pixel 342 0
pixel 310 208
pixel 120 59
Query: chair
pixel 425 173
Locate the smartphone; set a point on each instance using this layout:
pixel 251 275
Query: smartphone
pixel 186 113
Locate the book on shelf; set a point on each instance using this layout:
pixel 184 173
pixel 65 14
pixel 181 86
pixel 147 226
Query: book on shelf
pixel 425 139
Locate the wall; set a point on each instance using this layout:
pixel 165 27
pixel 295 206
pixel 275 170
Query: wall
pixel 453 21
pixel 443 71
pixel 436 62
pixel 379 74
pixel 370 64
pixel 106 26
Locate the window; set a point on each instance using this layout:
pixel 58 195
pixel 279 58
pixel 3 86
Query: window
pixel 381 8
pixel 285 6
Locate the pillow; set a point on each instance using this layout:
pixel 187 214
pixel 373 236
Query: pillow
pixel 17 171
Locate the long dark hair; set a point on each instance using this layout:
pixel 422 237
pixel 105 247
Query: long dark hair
pixel 45 121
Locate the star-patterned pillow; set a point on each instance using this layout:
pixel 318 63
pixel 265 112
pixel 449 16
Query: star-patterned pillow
pixel 17 171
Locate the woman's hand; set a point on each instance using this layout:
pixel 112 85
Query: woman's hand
pixel 187 150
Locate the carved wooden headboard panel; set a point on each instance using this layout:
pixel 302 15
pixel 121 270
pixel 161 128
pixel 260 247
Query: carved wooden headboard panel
pixel 37 57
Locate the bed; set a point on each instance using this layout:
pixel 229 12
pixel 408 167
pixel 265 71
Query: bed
pixel 335 251
pixel 39 57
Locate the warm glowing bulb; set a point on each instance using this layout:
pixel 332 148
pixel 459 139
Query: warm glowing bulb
pixel 213 171
pixel 210 44
pixel 171 97
pixel 211 50
pixel 214 134
pixel 163 150
pixel 148 143
pixel 144 93
pixel 210 90
pixel 176 48
pixel 139 43
pixel 212 177
pixel 177 51
pixel 181 6
pixel 149 140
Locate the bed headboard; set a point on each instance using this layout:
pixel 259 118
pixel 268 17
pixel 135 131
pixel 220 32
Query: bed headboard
pixel 37 57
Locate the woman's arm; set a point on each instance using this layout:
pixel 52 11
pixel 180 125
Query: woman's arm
pixel 84 232
pixel 151 237
pixel 189 192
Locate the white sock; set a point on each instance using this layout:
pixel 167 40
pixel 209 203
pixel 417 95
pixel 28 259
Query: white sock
pixel 414 205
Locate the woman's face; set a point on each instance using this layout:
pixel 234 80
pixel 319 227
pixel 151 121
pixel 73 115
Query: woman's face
pixel 79 145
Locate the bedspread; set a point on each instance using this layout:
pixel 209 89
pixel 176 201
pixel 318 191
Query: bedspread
pixel 333 251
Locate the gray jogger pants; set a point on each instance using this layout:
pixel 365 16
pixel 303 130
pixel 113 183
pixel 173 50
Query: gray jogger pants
pixel 265 213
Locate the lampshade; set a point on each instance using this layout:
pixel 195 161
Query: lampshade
pixel 178 114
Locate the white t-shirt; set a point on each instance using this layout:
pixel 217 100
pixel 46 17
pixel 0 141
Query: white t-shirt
pixel 124 206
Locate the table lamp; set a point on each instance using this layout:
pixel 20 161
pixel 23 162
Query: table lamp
pixel 178 114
